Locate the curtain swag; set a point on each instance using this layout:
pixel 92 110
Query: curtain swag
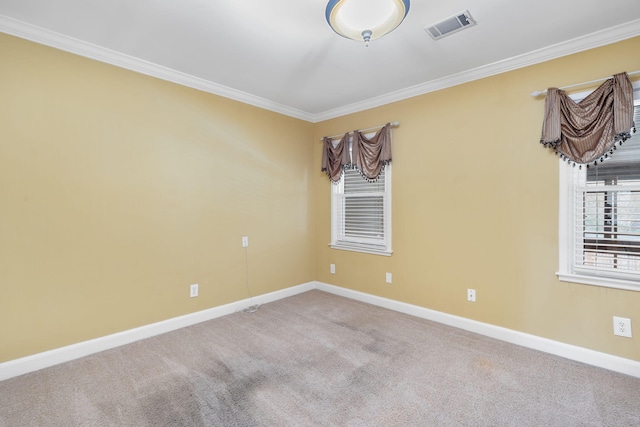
pixel 587 132
pixel 334 159
pixel 368 155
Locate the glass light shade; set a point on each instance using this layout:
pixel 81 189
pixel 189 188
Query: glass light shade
pixel 364 19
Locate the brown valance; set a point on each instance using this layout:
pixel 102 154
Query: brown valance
pixel 334 159
pixel 368 155
pixel 587 131
pixel 371 155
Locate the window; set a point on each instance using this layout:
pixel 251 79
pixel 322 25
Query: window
pixel 361 213
pixel 600 218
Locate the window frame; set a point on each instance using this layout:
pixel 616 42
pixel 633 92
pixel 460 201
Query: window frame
pixel 570 178
pixel 357 245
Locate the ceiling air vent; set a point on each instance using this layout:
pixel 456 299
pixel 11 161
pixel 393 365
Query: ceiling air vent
pixel 451 25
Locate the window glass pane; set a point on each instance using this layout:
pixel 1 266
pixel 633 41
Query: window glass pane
pixel 622 168
pixel 363 207
pixel 364 216
pixel 610 213
pixel 360 212
pixel 355 183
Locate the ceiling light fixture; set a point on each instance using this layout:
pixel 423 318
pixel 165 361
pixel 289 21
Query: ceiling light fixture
pixel 365 20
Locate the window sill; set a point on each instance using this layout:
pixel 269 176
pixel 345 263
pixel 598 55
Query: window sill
pixel 606 282
pixel 361 249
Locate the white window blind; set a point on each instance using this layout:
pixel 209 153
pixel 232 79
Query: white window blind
pixel 361 213
pixel 360 209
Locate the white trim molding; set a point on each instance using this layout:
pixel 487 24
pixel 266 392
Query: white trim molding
pixel 579 44
pixel 69 44
pixel 568 351
pixel 14 368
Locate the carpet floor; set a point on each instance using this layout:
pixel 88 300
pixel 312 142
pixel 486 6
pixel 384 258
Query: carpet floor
pixel 317 359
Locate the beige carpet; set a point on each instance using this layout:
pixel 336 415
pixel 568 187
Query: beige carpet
pixel 317 359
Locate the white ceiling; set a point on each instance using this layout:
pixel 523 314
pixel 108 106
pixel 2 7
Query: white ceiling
pixel 282 55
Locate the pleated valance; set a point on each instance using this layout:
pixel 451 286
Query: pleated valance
pixel 368 155
pixel 586 132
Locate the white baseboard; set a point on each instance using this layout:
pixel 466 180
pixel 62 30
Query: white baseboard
pixel 14 368
pixel 24 365
pixel 572 352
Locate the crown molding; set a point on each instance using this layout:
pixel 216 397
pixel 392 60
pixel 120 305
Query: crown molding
pixel 72 45
pixel 69 44
pixel 579 44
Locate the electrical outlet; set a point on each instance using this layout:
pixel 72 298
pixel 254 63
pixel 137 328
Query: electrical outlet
pixel 332 268
pixel 471 295
pixel 193 290
pixel 622 326
pixel 245 241
pixel 388 277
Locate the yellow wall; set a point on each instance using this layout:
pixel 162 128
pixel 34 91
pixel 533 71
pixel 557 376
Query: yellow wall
pixel 475 205
pixel 119 190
